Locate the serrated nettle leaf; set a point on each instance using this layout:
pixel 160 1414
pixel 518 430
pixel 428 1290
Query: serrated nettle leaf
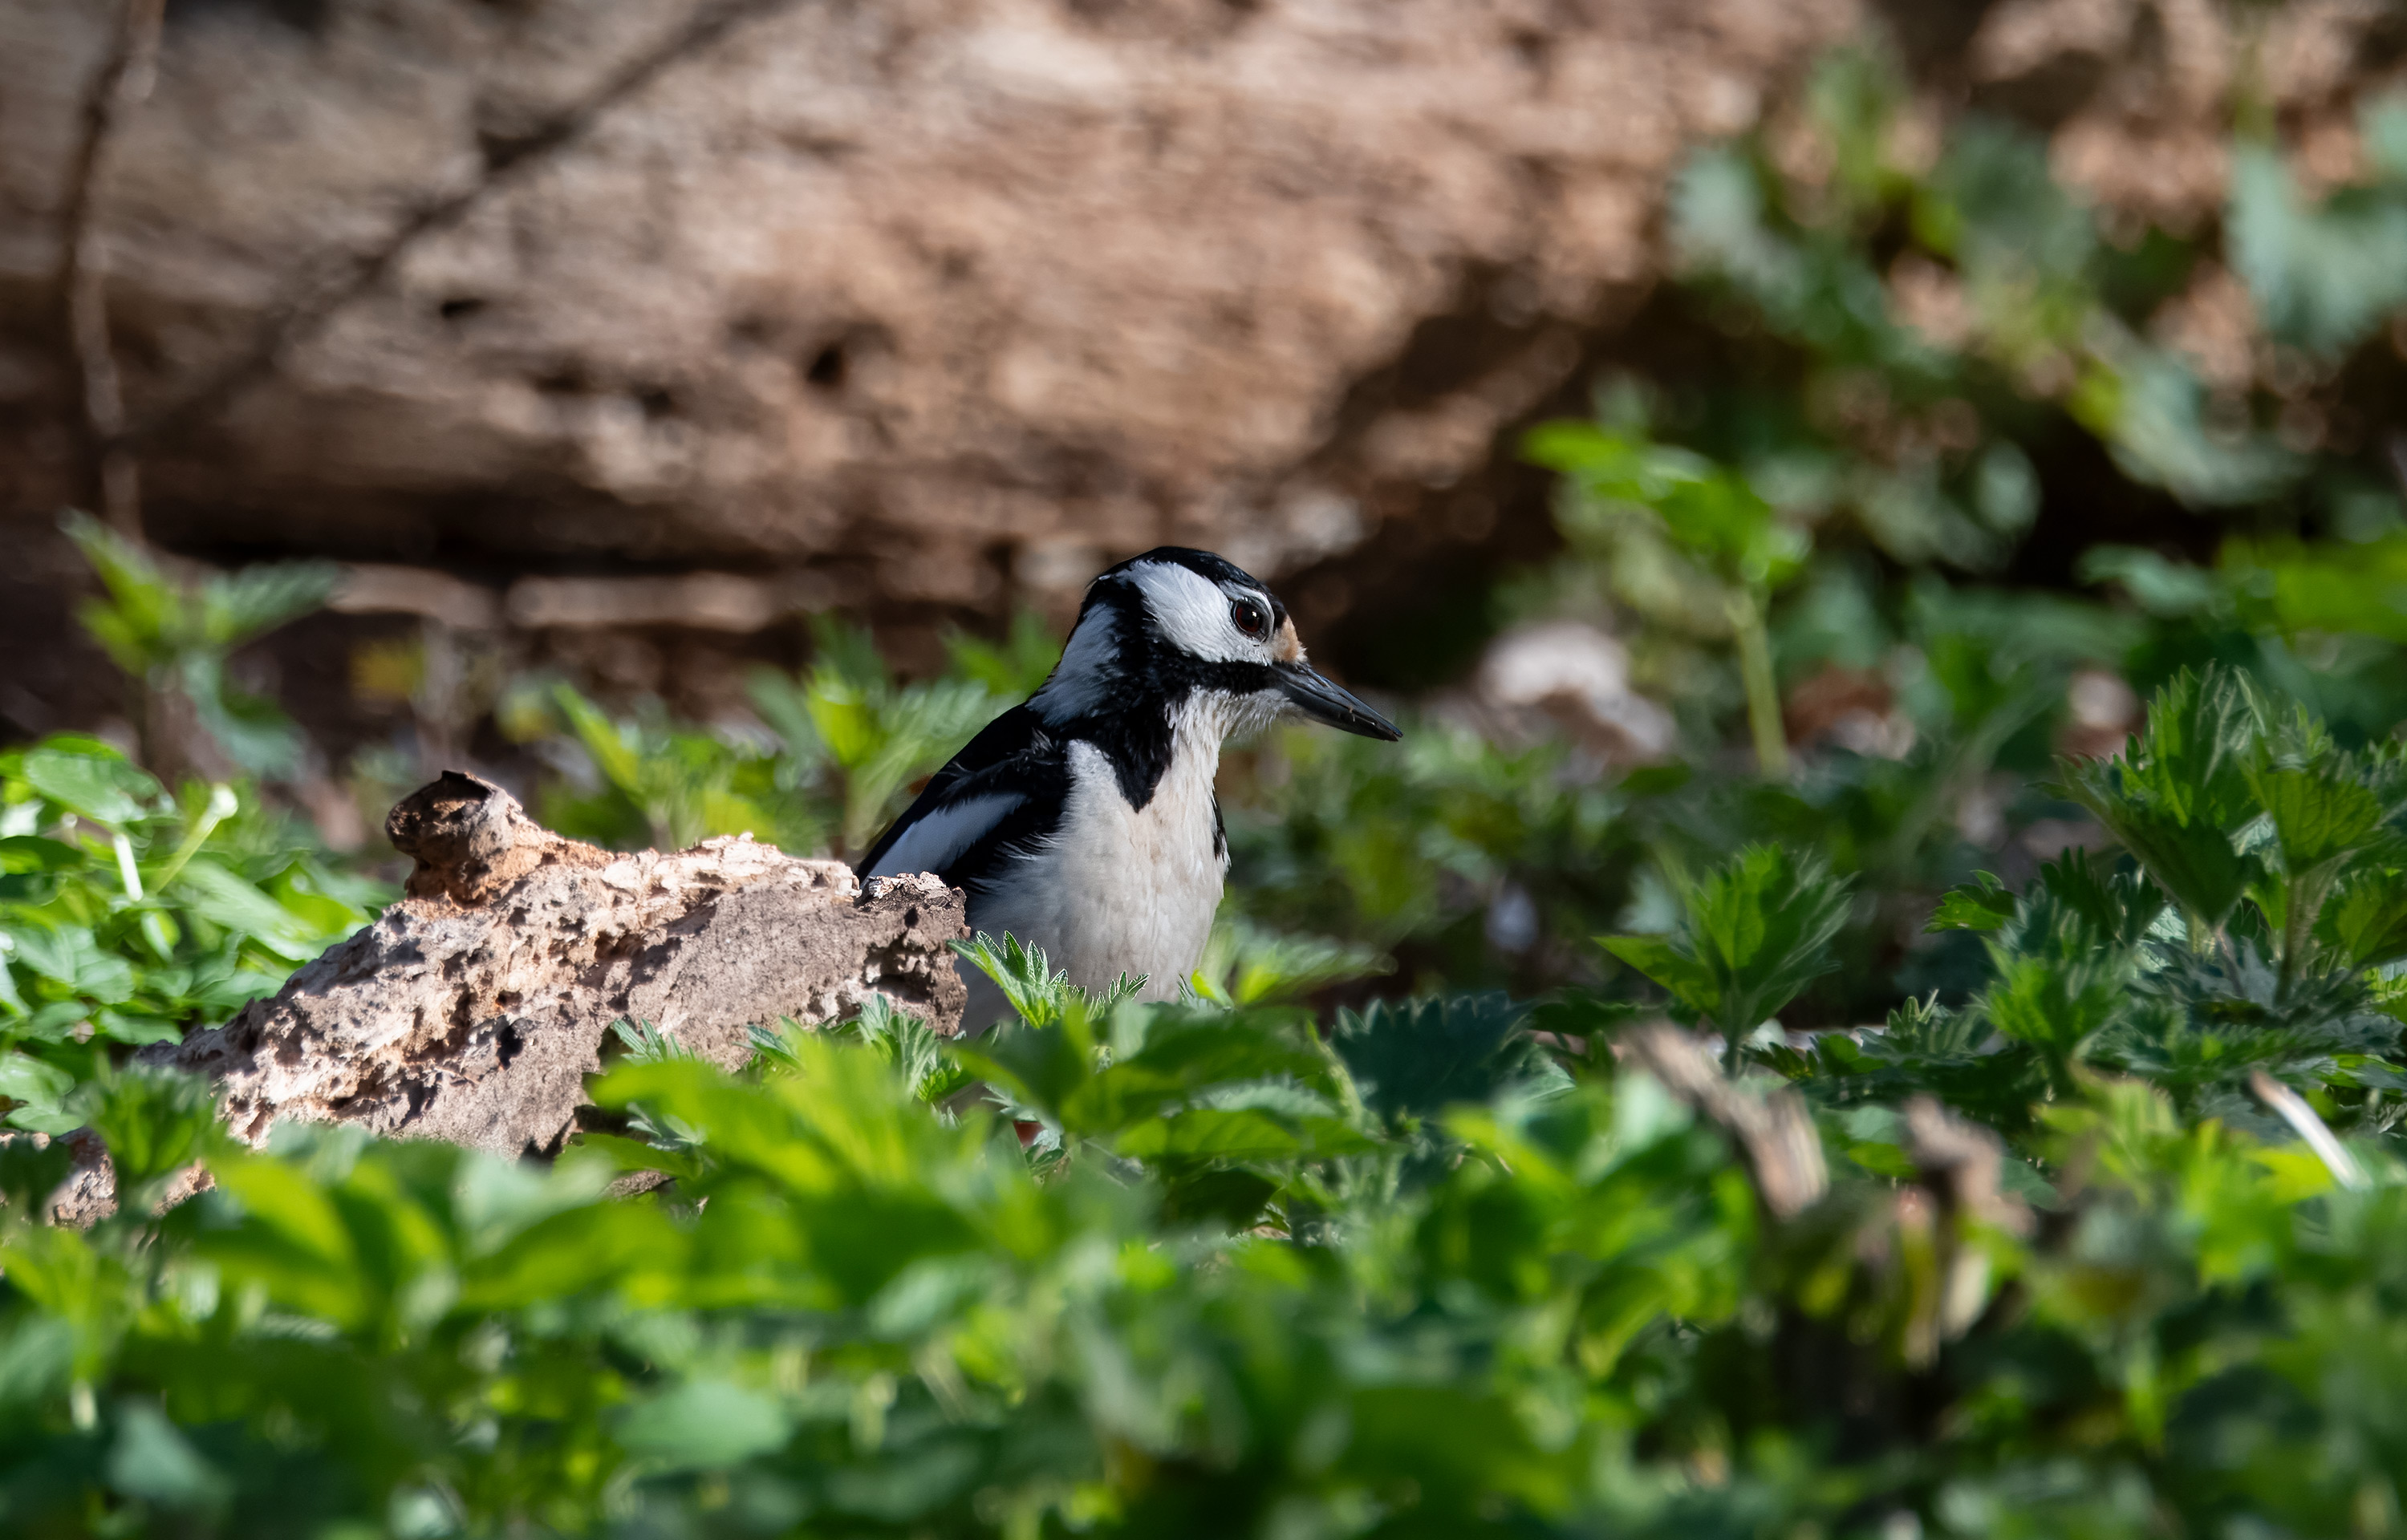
pixel 2365 922
pixel 1981 904
pixel 1042 1066
pixel 2194 862
pixel 1182 1060
pixel 1251 966
pixel 1028 979
pixel 2052 1005
pixel 1412 1059
pixel 645 1043
pixel 2319 812
pixel 2088 907
pixel 1692 982
pixel 1757 930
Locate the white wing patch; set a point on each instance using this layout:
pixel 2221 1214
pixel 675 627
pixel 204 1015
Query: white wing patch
pixel 937 841
pixel 1084 678
pixel 1193 613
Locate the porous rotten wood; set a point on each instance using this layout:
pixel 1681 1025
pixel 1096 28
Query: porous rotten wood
pixel 474 1007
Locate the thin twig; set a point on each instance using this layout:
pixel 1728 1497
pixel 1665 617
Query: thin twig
pixel 333 280
pixel 117 87
pixel 2294 1111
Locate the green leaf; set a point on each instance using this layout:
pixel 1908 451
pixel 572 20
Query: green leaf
pixel 1013 669
pixel 613 755
pixel 2194 862
pixel 2365 921
pixel 1036 991
pixel 238 606
pixel 1757 930
pixel 1249 964
pixel 1691 981
pixel 1414 1059
pixel 35 1089
pixel 1182 1058
pixel 2322 277
pixel 2319 814
pixel 88 777
pixel 1981 904
pixel 2052 1005
pixel 32 853
pixel 702 1424
pixel 2181 790
pixel 155 1121
pixel 152 1460
pixel 68 955
pixel 1244 1134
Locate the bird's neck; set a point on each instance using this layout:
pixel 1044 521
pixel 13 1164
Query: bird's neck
pixel 1154 741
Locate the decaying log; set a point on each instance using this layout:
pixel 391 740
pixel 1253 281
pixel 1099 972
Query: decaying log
pixel 474 1007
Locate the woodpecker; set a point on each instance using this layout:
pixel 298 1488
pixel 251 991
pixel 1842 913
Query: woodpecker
pixel 1084 821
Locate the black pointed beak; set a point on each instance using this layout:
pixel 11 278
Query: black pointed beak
pixel 1323 701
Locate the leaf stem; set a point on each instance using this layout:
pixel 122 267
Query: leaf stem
pixel 1755 672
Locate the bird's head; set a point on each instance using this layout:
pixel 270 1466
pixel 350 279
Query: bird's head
pixel 1176 629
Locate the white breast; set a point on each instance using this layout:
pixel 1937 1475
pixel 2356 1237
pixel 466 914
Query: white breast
pixel 1120 889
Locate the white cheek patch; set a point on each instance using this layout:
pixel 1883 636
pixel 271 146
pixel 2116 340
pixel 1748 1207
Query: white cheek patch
pixel 940 838
pixel 1193 614
pixel 1086 675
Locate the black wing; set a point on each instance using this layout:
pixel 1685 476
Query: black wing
pixel 1003 790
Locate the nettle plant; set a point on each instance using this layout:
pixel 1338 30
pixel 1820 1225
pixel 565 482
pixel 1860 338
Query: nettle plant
pixel 2036 1264
pixel 129 914
pixel 2255 920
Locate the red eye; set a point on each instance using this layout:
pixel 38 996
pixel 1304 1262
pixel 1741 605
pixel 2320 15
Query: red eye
pixel 1249 617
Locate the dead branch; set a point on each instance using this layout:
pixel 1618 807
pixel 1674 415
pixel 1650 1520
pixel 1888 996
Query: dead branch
pixel 117 87
pixel 1775 1132
pixel 329 282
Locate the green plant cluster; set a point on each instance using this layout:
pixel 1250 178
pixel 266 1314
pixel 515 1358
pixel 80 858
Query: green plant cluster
pixel 2063 1263
pixel 844 742
pixel 129 916
pixel 2049 1181
pixel 1897 346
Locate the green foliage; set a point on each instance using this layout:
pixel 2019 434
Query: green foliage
pixel 1415 1272
pixel 1756 930
pixel 2324 277
pixel 1981 904
pixel 842 746
pixel 172 636
pixel 1245 964
pixel 128 916
pixel 1728 537
pixel 669 788
pixel 1437 1263
pixel 857 739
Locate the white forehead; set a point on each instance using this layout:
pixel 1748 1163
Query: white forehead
pixel 1193 613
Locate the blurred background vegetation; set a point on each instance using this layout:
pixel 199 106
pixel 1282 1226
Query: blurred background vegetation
pixel 1770 690
pixel 1921 470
